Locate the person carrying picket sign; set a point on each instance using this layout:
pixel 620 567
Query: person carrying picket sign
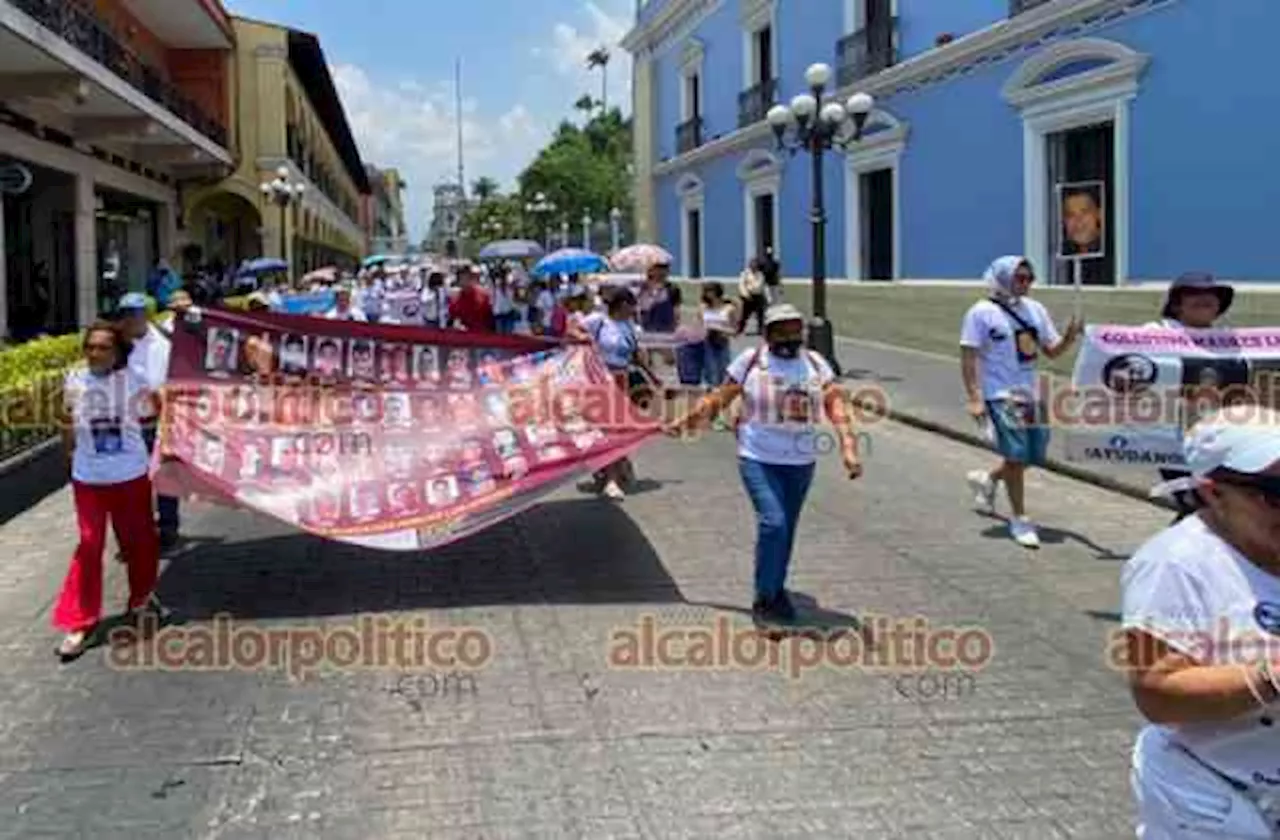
pixel 785 389
pixel 1000 342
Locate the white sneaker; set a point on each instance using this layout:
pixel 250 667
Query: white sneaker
pixel 984 491
pixel 613 491
pixel 1024 532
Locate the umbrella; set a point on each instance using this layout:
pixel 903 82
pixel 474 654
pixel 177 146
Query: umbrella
pixel 376 259
pixel 511 249
pixel 639 258
pixel 262 265
pixel 569 261
pixel 329 274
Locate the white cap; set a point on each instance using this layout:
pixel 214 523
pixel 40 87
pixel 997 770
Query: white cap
pixel 782 312
pixel 1241 438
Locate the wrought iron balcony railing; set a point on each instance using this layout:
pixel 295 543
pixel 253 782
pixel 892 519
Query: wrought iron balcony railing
pixel 1017 7
pixel 688 135
pixel 83 30
pixel 755 102
pixel 865 52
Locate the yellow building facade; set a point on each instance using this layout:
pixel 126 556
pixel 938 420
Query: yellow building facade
pixel 285 115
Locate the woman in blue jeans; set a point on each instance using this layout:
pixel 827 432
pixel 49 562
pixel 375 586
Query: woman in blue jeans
pixel 784 389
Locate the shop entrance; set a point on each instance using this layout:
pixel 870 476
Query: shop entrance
pixel 39 258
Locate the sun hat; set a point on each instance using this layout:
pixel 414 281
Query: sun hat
pixel 1197 281
pixel 1241 438
pixel 781 313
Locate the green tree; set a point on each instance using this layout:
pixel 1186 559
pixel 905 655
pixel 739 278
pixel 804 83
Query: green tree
pixel 484 189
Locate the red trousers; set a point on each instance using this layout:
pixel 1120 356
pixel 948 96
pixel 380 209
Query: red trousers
pixel 128 506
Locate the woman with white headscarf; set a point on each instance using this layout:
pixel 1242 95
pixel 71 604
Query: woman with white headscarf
pixel 1000 343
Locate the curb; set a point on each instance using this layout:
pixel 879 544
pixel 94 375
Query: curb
pixel 1051 464
pixel 25 457
pixel 30 477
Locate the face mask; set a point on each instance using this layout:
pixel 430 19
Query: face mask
pixel 788 349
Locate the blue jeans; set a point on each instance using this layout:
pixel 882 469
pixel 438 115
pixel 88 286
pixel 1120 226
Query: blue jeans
pixel 715 363
pixel 777 493
pixel 166 506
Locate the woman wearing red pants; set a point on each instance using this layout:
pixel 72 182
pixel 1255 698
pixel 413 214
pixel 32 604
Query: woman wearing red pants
pixel 105 403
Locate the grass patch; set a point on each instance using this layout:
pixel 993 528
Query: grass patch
pixel 928 317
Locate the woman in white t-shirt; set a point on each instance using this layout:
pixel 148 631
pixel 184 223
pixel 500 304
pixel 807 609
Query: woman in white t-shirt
pixel 105 404
pixel 784 389
pixel 1201 641
pixel 1001 340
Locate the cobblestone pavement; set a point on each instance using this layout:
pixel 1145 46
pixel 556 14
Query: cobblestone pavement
pixel 548 740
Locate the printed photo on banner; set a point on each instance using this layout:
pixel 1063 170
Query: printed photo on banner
pixel 458 369
pixel 366 501
pixel 253 455
pixel 403 499
pixel 222 354
pixel 426 366
pixel 1081 220
pixel 442 491
pixel 328 357
pixel 396 411
pixel 431 412
pixel 394 364
pixel 323 509
pixel 211 454
pixel 293 354
pixel 361 365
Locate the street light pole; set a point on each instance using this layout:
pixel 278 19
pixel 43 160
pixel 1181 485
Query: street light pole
pixel 586 231
pixel 817 127
pixel 283 193
pixel 615 232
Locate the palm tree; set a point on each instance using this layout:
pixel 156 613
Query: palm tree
pixel 585 104
pixel 484 189
pixel 600 58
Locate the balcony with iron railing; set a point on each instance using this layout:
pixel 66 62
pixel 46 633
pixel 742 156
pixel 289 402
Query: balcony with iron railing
pixel 689 135
pixel 1017 7
pixel 866 52
pixel 85 31
pixel 755 102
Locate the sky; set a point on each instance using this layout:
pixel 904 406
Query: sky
pixel 523 67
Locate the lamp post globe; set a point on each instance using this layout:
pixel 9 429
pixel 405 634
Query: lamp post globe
pixel 282 173
pixel 779 116
pixel 860 103
pixel 804 105
pixel 833 113
pixel 818 75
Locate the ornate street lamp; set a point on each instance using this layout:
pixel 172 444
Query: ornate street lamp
pixel 541 210
pixel 615 227
pixel 817 126
pixel 586 230
pixel 283 193
pixel 564 233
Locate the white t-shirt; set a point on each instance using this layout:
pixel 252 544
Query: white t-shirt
pixel 149 359
pixel 435 305
pixel 781 405
pixel 502 301
pixel 988 329
pixel 1189 588
pixel 106 415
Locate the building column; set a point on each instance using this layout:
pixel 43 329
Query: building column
pixel 166 233
pixel 4 281
pixel 86 244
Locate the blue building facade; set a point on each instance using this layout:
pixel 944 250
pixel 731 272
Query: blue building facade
pixel 995 121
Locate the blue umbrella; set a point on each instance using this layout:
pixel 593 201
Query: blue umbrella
pixel 376 259
pixel 262 265
pixel 511 249
pixel 570 261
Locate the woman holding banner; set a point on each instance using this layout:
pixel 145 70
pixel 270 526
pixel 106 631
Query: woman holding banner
pixel 1194 301
pixel 785 389
pixel 106 404
pixel 1201 626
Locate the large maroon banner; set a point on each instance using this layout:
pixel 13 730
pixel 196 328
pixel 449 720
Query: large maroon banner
pixel 399 438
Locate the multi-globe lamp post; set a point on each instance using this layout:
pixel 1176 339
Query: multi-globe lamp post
pixel 586 230
pixel 816 123
pixel 541 209
pixel 283 192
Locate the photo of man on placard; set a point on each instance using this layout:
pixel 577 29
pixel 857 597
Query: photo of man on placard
pixel 1081 220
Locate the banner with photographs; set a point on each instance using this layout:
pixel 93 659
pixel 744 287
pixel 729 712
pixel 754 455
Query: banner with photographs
pixel 1136 389
pixel 393 437
pixel 1081 221
pixel 404 306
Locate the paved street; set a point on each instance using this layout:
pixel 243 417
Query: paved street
pixel 549 741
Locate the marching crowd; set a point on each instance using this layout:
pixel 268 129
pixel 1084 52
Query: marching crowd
pixel 1201 600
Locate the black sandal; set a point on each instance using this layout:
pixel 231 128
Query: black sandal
pixel 74 645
